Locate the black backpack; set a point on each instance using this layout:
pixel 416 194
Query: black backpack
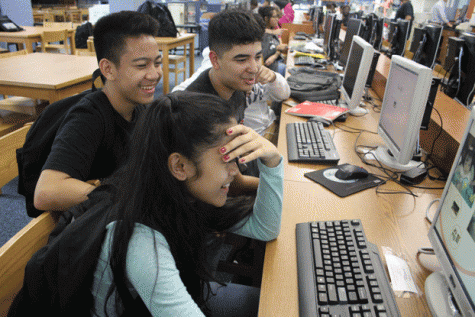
pixel 39 140
pixel 309 84
pixel 82 34
pixel 160 13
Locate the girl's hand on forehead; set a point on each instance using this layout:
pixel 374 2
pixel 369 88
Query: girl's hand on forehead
pixel 248 145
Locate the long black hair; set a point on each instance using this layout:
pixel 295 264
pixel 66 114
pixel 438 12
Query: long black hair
pixel 186 123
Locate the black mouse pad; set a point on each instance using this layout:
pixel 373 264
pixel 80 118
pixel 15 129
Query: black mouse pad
pixel 342 188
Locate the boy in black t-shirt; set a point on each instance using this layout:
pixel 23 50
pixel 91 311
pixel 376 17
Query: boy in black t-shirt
pixel 130 63
pixel 405 11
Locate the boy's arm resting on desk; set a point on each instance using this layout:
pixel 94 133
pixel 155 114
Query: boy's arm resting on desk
pixel 59 191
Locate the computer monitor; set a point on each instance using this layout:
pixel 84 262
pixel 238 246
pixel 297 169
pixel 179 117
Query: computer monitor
pixel 354 28
pixel 376 38
pixel 318 20
pixel 399 37
pixel 428 48
pixel 327 27
pixel 452 236
pixel 332 31
pixel 367 28
pixel 467 69
pixel 417 37
pixel 404 102
pixel 455 45
pixel 356 73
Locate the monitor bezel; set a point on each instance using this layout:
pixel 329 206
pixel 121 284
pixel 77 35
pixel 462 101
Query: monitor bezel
pixel 361 77
pixel 454 282
pixel 419 100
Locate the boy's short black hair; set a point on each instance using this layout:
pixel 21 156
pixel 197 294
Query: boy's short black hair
pixel 233 27
pixel 111 31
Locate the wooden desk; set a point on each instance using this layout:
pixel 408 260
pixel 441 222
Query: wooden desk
pixel 32 34
pixel 166 44
pixel 394 221
pixel 46 76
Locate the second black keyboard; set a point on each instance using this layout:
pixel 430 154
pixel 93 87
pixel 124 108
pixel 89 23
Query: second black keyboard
pixel 340 273
pixel 310 142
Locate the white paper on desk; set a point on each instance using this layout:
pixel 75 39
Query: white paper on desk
pixel 400 274
pixel 313 47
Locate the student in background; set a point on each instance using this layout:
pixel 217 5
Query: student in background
pixel 235 43
pixel 405 11
pixel 161 215
pixel 439 15
pixel 272 48
pixel 130 62
pixel 288 13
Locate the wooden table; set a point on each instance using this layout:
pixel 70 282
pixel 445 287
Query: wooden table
pixel 165 44
pixel 46 76
pixel 32 34
pixel 394 221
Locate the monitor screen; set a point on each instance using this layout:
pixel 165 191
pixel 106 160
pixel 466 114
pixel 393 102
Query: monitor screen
pixel 356 73
pixel 452 233
pixel 354 28
pixel 404 102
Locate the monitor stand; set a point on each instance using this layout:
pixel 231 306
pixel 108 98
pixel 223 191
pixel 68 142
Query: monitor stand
pixel 384 156
pixel 439 297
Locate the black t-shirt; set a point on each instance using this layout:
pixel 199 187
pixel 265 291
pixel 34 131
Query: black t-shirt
pixel 203 84
pixel 404 10
pixel 82 148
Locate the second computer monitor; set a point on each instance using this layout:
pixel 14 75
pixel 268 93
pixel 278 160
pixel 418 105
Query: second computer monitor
pixel 404 103
pixel 398 33
pixel 356 73
pixel 354 28
pixel 428 48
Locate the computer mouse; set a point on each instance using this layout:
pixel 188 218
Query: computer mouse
pixel 324 121
pixel 350 172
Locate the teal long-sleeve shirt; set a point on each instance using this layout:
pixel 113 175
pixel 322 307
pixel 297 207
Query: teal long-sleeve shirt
pixel 150 265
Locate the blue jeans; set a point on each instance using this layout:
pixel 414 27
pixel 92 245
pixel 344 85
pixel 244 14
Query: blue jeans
pixel 281 68
pixel 234 300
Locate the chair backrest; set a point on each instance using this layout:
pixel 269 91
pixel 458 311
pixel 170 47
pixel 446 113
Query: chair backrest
pixel 62 25
pixel 51 36
pixel 48 17
pixel 16 53
pixel 15 254
pixel 9 143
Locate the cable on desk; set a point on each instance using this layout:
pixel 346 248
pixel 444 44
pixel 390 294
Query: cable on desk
pixel 428 208
pixel 438 135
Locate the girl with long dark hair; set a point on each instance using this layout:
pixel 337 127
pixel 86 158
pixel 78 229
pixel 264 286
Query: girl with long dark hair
pixel 170 203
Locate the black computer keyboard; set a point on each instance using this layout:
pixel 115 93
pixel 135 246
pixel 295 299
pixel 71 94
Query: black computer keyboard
pixel 304 60
pixel 340 273
pixel 310 142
